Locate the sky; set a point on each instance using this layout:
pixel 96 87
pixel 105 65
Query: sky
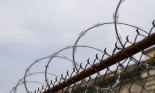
pixel 32 29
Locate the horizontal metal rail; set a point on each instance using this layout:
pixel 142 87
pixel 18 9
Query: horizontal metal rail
pixel 115 58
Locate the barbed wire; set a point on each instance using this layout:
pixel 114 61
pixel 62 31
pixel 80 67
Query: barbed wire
pixel 104 74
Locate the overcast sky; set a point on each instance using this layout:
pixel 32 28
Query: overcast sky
pixel 32 29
